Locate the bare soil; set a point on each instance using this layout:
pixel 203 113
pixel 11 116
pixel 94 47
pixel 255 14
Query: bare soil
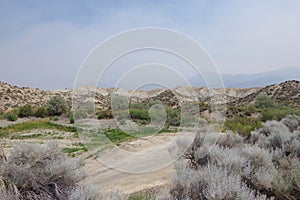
pixel 108 179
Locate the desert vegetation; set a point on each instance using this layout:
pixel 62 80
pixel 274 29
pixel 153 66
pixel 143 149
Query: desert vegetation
pixel 229 166
pixel 56 106
pixel 42 172
pixel 255 155
pixel 244 119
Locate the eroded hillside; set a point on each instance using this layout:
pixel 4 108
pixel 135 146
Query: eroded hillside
pixel 286 93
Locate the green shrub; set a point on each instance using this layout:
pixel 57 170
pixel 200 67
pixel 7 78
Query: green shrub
pixel 264 101
pixel 249 110
pixel 12 115
pixel 25 111
pixel 141 114
pixel 277 113
pixel 41 112
pixel 242 125
pixel 56 106
pixel 173 116
pixel 72 120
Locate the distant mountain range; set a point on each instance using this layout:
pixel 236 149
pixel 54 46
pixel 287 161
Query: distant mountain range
pixel 255 80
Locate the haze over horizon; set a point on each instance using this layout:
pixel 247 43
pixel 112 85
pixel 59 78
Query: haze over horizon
pixel 42 44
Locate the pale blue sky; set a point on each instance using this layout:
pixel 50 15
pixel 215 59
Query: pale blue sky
pixel 43 43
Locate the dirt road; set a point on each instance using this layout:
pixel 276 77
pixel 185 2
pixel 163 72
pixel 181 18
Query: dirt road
pixel 141 164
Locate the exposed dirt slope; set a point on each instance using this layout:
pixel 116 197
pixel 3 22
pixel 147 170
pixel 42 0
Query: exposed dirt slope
pixel 286 93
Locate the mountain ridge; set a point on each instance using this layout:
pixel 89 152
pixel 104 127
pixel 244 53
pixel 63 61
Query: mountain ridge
pixel 255 80
pixel 286 93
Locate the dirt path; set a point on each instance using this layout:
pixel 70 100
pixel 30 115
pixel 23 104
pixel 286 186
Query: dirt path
pixel 156 168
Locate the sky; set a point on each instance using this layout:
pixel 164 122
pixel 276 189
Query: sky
pixel 43 43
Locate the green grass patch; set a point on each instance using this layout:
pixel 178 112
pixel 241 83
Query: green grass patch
pixel 117 136
pixel 145 195
pixel 31 125
pixel 77 147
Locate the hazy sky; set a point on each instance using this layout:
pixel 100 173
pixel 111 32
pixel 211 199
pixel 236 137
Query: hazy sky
pixel 43 43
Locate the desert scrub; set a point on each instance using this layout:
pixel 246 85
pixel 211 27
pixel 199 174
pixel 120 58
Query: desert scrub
pixel 139 112
pixel 277 113
pixel 12 115
pixel 242 125
pixel 264 165
pixel 25 111
pixel 264 101
pixel 71 117
pixel 40 112
pixel 56 106
pixel 33 172
pixel 272 111
pixel 291 121
pixel 240 111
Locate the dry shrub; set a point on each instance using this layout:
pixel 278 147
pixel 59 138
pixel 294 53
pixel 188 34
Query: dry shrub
pixel 227 166
pixel 33 172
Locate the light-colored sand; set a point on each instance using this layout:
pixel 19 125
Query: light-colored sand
pixel 107 179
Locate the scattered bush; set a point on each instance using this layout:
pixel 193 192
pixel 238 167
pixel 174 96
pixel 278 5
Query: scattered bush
pixel 291 121
pixel 85 193
pixel 242 125
pixel 33 172
pixel 41 112
pixel 72 120
pixel 287 182
pixel 263 101
pixel 277 113
pixel 228 166
pixel 56 106
pixel 141 114
pixel 240 111
pixel 278 135
pixel 173 117
pixel 25 111
pixel 12 115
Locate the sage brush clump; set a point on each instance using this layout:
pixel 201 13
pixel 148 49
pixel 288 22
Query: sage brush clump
pixel 34 172
pixel 265 165
pixel 56 106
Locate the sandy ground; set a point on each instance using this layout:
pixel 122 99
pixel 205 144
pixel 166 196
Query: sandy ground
pixel 133 166
pixel 134 172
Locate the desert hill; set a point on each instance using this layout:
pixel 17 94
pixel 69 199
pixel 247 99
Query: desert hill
pixel 285 93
